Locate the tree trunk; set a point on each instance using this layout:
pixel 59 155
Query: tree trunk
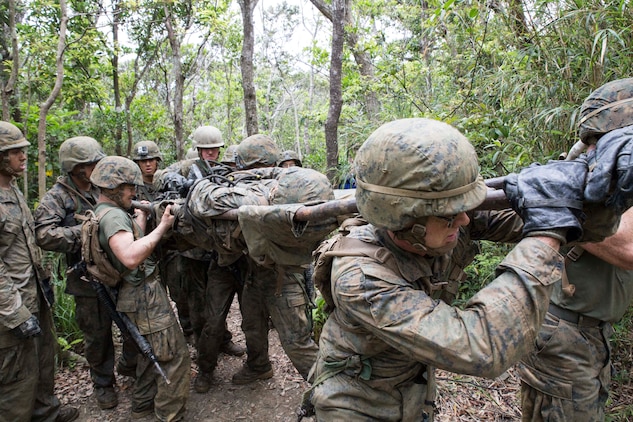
pixel 336 96
pixel 365 66
pixel 12 56
pixel 118 132
pixel 45 107
pixel 179 82
pixel 246 64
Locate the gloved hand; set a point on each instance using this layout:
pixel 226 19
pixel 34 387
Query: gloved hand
pixel 29 328
pixel 185 187
pixel 549 198
pixel 611 180
pixel 173 182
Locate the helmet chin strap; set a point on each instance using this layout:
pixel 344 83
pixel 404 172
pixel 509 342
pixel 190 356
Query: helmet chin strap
pixel 5 167
pixel 415 235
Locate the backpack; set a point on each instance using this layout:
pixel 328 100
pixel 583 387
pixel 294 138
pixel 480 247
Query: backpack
pixel 98 266
pixel 341 245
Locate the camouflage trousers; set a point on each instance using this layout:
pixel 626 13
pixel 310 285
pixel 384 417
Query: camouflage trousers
pixel 224 283
pixel 96 325
pixel 150 389
pixel 285 300
pixel 196 273
pixel 566 377
pixel 172 274
pixel 347 398
pixel 27 375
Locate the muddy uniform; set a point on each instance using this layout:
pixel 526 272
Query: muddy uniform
pixel 171 268
pixel 57 229
pixel 380 345
pixel 27 365
pixel 566 376
pixel 144 300
pixel 202 269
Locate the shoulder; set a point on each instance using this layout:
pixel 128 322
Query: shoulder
pixel 113 220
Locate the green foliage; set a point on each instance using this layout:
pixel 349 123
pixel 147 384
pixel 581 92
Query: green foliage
pixel 319 316
pixel 482 270
pixel 619 406
pixel 68 332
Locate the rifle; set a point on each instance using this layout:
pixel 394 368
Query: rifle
pixel 127 327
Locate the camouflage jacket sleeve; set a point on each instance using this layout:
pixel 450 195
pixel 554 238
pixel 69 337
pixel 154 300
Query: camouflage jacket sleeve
pixel 379 310
pixel 56 228
pixel 14 308
pixel 497 226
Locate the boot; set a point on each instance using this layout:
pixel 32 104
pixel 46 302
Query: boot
pixel 232 349
pixel 106 397
pixel 246 375
pixel 202 382
pixel 67 414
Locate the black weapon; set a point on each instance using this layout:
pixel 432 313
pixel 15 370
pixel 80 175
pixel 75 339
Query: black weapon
pixel 127 327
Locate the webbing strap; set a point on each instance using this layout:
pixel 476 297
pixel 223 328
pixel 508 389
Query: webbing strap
pixel 419 194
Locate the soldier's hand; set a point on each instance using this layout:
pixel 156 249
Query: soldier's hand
pixel 611 180
pixel 29 328
pixel 167 219
pixel 549 198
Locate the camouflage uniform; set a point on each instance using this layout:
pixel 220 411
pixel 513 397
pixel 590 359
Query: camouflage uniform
pixel 201 282
pixel 566 375
pixel 27 364
pixel 57 229
pixel 278 292
pixel 379 347
pixel 27 335
pixel 171 266
pixel 142 297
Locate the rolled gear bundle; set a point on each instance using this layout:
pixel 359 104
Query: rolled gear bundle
pixel 207 201
pixel 272 235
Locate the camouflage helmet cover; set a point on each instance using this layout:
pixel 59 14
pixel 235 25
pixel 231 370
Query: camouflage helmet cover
pixel 607 108
pixel 146 150
pixel 11 137
pixel 413 168
pixel 113 171
pixel 79 150
pixel 229 155
pixel 257 151
pixel 290 155
pixel 207 137
pixel 300 185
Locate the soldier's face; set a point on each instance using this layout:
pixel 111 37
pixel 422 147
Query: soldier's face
pixel 288 163
pixel 83 171
pixel 437 233
pixel 13 162
pixel 209 154
pixel 442 232
pixel 128 193
pixel 148 167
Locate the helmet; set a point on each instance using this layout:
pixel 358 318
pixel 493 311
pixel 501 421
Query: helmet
pixel 607 108
pixel 146 150
pixel 207 137
pixel 191 153
pixel 11 137
pixel 257 151
pixel 229 155
pixel 288 156
pixel 113 171
pixel 413 168
pixel 79 150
